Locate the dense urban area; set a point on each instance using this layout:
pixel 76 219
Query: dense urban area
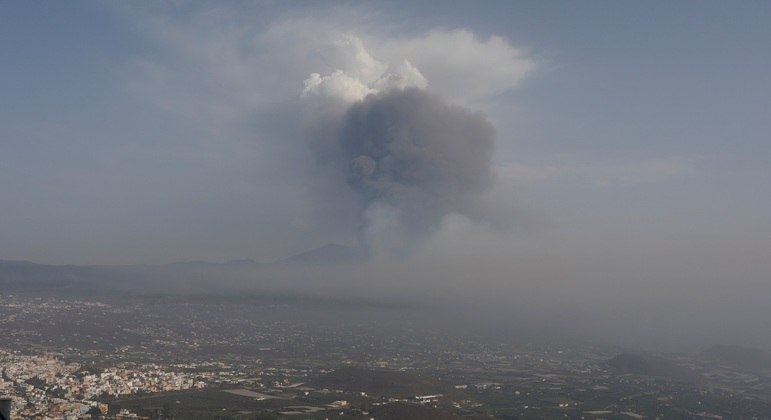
pixel 187 358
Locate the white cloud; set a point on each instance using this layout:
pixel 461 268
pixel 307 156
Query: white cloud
pixel 400 77
pixel 338 85
pixel 360 74
pixel 460 65
pixel 455 63
pixel 348 54
pixel 217 64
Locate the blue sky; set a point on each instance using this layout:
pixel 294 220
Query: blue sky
pixel 644 119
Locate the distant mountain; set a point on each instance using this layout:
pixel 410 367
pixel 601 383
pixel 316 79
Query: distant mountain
pixel 190 277
pixel 73 280
pixel 242 264
pixel 329 254
pixel 66 279
pixel 744 357
pixel 647 365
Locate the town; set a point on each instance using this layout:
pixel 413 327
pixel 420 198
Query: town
pixel 95 359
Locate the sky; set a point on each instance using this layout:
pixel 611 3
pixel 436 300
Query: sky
pixel 623 160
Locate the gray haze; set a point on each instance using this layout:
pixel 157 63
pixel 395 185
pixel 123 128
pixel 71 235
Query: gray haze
pixel 630 165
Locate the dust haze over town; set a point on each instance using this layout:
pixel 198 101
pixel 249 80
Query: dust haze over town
pixel 588 172
pixel 573 175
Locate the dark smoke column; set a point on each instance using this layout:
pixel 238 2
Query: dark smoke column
pixel 411 151
pixel 5 408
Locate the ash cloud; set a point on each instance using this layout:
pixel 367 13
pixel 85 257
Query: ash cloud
pixel 408 158
pixel 393 158
pixel 408 150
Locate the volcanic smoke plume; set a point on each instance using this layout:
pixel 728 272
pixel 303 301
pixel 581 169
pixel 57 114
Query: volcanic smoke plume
pixel 412 159
pixel 391 155
pixel 408 150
